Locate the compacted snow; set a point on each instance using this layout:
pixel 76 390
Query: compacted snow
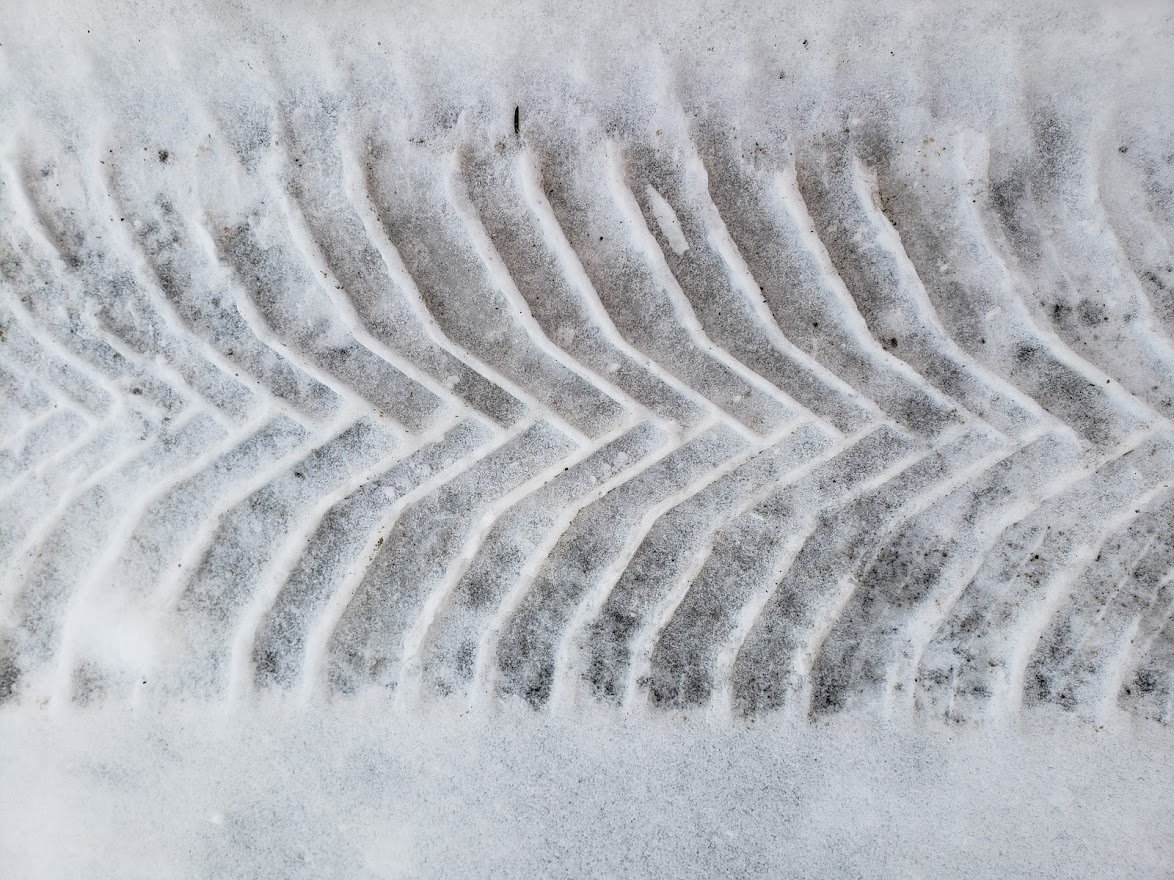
pixel 499 440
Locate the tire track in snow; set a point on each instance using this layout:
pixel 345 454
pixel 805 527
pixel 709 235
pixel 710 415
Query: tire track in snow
pixel 627 420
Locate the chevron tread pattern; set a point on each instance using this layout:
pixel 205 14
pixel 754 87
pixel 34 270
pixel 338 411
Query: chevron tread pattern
pixel 673 420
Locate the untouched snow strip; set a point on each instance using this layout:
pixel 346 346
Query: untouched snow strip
pixel 359 792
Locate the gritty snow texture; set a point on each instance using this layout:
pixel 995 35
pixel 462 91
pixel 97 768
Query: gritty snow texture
pixel 489 439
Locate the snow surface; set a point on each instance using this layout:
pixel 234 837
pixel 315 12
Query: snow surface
pixel 150 735
pixel 361 792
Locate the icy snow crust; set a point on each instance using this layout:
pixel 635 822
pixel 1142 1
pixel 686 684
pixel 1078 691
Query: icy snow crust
pixel 490 440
